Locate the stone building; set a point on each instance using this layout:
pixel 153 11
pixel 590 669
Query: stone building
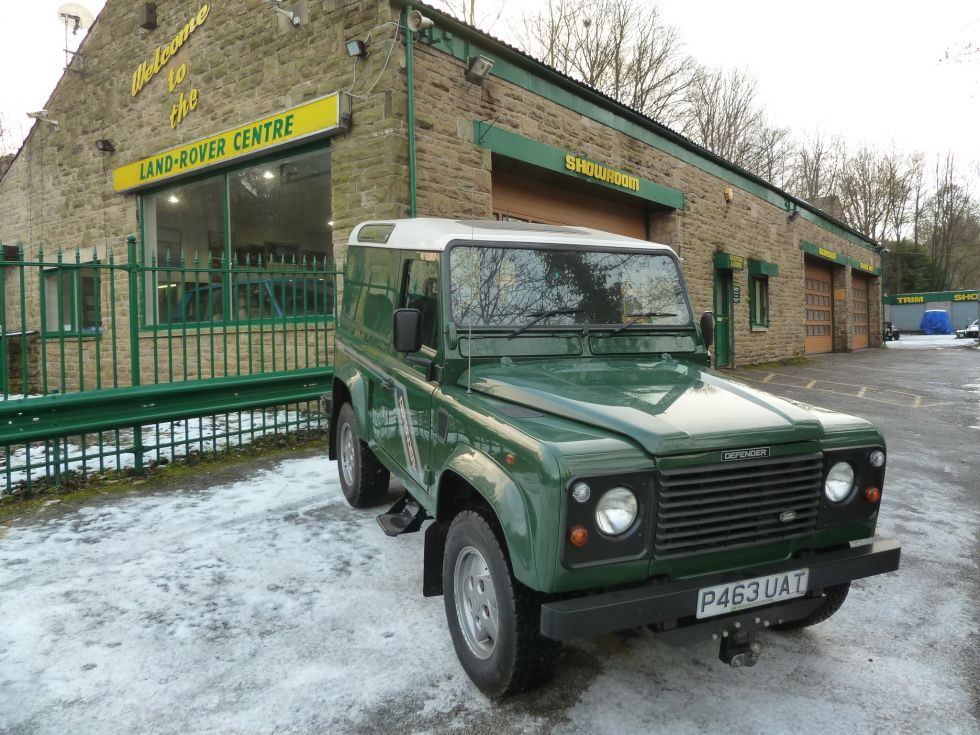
pixel 226 132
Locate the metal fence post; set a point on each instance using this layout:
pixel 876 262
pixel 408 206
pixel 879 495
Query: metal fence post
pixel 132 268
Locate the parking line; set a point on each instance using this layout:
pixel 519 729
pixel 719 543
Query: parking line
pixel 915 403
pixel 812 383
pixel 860 393
pixel 769 377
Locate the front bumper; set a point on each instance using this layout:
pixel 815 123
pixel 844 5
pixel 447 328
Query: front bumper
pixel 672 605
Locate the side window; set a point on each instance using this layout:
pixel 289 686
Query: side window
pixel 421 291
pixel 759 296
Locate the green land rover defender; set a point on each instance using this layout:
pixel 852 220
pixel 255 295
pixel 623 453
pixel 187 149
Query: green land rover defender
pixel 543 394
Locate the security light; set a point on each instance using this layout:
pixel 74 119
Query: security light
pixel 268 175
pixel 105 146
pixel 478 69
pixel 173 199
pixel 356 47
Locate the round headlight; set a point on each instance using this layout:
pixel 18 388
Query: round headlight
pixel 581 492
pixel 877 458
pixel 616 511
pixel 840 481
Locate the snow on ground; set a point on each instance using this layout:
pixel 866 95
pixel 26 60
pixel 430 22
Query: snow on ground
pixel 267 605
pixel 114 451
pixel 926 341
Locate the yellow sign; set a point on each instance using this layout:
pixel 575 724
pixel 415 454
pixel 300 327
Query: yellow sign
pixel 823 252
pixel 601 173
pixel 867 267
pixel 965 297
pixel 311 119
pixel 147 69
pixel 911 299
pixel 737 262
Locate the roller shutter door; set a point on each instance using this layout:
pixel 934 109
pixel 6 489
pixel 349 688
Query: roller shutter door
pixel 859 310
pixel 819 308
pixel 528 200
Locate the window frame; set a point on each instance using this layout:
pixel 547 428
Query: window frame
pixel 755 303
pixel 229 269
pixel 74 300
pixel 430 350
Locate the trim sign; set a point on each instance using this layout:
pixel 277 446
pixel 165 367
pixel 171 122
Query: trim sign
pixel 735 455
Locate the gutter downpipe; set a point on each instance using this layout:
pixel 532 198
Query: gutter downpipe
pixel 410 83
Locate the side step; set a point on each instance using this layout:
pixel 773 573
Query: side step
pixel 405 516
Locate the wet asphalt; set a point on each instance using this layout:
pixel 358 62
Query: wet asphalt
pixel 255 601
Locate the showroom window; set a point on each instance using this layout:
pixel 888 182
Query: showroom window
pixel 247 243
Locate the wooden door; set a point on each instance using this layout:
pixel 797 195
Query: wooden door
pixel 819 300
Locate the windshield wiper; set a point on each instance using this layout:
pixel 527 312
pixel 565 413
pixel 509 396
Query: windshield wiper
pixel 539 315
pixel 636 317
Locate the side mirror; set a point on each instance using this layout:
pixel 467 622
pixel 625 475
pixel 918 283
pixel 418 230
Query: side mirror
pixel 708 328
pixel 406 333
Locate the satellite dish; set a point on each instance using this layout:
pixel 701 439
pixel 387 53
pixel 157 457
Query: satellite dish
pixel 75 16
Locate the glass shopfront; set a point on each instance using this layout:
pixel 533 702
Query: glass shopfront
pixel 244 243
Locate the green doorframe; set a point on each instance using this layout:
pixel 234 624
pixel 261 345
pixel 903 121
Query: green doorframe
pixel 724 308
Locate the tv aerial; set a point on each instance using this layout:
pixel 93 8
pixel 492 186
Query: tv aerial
pixel 77 17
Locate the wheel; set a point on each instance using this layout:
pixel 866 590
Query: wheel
pixel 363 478
pixel 835 597
pixel 493 619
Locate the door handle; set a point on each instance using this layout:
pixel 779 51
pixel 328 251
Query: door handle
pixel 387 385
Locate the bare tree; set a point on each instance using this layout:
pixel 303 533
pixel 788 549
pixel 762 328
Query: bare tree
pixel 954 231
pixel 622 49
pixel 722 115
pixel 817 161
pixel 863 192
pixel 902 172
pixel 468 12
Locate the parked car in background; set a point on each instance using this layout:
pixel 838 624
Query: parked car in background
pixel 891 332
pixel 969 331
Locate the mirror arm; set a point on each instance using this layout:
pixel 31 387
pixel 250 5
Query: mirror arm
pixel 427 362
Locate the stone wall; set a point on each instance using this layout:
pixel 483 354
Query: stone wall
pixel 454 179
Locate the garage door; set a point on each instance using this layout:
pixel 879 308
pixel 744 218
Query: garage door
pixel 819 308
pixel 859 310
pixel 527 200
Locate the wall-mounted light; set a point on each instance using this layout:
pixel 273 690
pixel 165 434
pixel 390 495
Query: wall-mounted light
pixel 478 69
pixel 173 199
pixel 729 195
pixel 294 19
pixel 356 47
pixel 105 146
pixel 268 175
pixel 793 215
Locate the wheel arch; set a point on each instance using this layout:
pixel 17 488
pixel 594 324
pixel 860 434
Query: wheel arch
pixel 354 391
pixel 473 480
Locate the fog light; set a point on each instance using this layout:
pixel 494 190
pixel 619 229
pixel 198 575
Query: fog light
pixel 873 495
pixel 578 536
pixel 877 458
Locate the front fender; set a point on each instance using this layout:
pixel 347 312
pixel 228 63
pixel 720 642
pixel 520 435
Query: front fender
pixel 357 385
pixel 510 505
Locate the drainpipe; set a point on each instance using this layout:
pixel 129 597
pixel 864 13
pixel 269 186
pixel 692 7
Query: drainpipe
pixel 410 82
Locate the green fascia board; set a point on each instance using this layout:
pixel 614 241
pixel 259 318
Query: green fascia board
pixel 548 157
pixel 825 253
pixel 727 261
pixel 870 268
pixel 462 42
pixel 763 268
pixel 924 297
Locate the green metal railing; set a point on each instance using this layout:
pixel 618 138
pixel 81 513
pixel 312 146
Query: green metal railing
pixel 110 366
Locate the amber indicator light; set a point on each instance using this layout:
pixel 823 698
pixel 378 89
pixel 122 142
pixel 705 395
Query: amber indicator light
pixel 872 494
pixel 578 536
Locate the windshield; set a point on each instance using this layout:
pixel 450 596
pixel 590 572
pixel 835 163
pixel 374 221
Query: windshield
pixel 506 286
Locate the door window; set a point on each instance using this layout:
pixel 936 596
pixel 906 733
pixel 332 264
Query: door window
pixel 421 291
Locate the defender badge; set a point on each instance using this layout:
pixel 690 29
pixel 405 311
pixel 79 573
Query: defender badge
pixel 736 454
pixel 787 515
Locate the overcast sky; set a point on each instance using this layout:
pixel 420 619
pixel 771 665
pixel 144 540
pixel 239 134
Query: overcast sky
pixel 866 69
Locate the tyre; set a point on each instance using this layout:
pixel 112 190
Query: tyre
pixel 835 597
pixel 493 619
pixel 363 478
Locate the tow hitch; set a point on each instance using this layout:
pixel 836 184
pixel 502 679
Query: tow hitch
pixel 741 648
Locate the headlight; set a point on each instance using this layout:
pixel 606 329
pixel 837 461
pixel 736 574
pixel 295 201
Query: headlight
pixel 840 481
pixel 877 458
pixel 616 511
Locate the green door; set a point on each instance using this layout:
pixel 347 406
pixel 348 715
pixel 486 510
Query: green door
pixel 724 337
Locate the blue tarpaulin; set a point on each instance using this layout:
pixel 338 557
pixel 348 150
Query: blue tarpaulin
pixel 936 321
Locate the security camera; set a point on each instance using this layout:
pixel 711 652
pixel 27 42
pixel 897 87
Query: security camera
pixel 418 22
pixel 38 114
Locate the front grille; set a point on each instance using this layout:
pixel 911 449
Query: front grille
pixel 724 506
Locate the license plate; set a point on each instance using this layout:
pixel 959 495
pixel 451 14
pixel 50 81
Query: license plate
pixel 726 598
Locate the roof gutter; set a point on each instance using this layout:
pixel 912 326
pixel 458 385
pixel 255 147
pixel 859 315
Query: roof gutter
pixel 543 70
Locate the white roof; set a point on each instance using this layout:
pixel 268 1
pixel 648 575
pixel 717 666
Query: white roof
pixel 433 233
